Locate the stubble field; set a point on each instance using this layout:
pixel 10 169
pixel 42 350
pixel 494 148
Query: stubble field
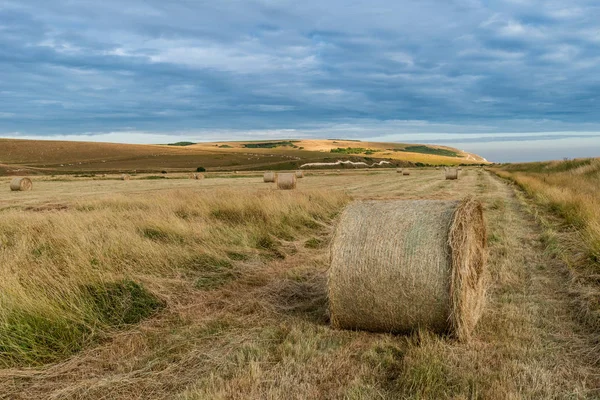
pixel 220 288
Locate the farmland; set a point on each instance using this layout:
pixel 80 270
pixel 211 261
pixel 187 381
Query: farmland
pixel 56 157
pixel 569 193
pixel 227 276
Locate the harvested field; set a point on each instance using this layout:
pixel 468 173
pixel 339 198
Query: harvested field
pixel 233 276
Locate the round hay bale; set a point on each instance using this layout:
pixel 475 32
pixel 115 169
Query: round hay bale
pixel 125 177
pixel 286 181
pixel 20 184
pixel 299 174
pixel 399 170
pixel 269 176
pixel 398 266
pixel 405 172
pixel 452 173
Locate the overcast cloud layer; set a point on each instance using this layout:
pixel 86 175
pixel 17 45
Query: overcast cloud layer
pixel 460 72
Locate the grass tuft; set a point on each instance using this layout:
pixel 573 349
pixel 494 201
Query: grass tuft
pixel 120 303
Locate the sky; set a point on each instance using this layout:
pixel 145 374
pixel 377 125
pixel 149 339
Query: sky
pixel 512 80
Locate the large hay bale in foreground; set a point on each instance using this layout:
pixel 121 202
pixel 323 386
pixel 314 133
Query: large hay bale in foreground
pixel 125 177
pixel 397 266
pixel 269 176
pixel 299 174
pixel 286 181
pixel 452 173
pixel 405 172
pixel 20 184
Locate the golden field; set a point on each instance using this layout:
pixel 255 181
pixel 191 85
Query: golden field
pixel 60 157
pixel 216 289
pixel 569 190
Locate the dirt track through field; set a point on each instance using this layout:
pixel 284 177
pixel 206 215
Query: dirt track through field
pixel 527 345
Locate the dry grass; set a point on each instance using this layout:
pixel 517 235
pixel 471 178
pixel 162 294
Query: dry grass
pixel 50 259
pixel 569 190
pixel 241 314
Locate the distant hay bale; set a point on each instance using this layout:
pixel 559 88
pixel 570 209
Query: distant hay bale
pixel 269 176
pixel 299 174
pixel 399 170
pixel 20 184
pixel 286 181
pixel 459 168
pixel 196 176
pixel 125 177
pixel 452 173
pixel 397 266
pixel 405 172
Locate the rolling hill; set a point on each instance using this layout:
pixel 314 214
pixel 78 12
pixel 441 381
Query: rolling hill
pixel 47 156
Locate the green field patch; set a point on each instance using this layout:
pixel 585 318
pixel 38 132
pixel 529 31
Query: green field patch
pixel 352 150
pixel 422 149
pixel 181 144
pixel 270 145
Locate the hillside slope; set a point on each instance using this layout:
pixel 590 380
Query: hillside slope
pixel 47 156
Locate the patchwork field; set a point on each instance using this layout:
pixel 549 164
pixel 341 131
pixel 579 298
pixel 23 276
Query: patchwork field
pixel 216 289
pixel 62 157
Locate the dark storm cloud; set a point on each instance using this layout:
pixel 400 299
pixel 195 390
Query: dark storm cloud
pixel 77 67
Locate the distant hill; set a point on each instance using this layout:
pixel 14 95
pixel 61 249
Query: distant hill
pixel 48 156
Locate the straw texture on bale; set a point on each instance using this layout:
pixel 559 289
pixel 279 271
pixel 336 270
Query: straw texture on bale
pixel 269 176
pixel 398 266
pixel 125 177
pixel 405 172
pixel 20 184
pixel 299 174
pixel 452 173
pixel 286 181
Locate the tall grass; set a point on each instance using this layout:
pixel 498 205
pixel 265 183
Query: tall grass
pixel 571 190
pixel 67 278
